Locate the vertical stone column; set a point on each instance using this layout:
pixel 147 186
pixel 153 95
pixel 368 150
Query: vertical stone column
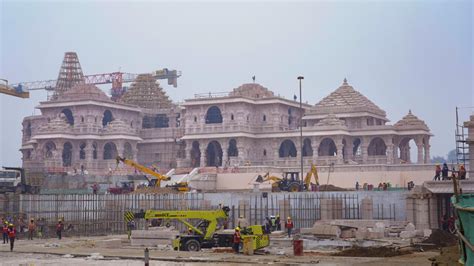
pixel 225 147
pixel 420 153
pixel 120 147
pixel 315 146
pixel 340 156
pixel 202 149
pixel 427 153
pixel 276 154
pixel 390 153
pixel 363 148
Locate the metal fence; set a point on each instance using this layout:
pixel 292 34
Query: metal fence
pixel 104 214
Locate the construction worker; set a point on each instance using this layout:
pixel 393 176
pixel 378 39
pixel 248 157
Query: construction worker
pixel 273 222
pixel 11 235
pixel 462 172
pixel 278 223
pixel 31 229
pixel 130 227
pixel 5 232
pixel 444 172
pixel 242 222
pixel 289 226
pixel 59 228
pixel 237 240
pixel 437 173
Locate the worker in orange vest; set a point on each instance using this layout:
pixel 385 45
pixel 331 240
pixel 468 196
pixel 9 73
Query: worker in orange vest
pixel 237 239
pixel 5 232
pixel 11 235
pixel 289 226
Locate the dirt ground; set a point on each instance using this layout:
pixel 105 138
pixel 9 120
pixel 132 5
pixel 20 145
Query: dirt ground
pixel 50 252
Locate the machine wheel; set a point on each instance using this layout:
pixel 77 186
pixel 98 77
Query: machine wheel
pixel 275 189
pixel 192 245
pixel 294 188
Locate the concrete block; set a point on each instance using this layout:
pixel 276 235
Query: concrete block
pixel 109 243
pixel 407 234
pixel 410 227
pixel 348 233
pixel 375 235
pixel 326 231
pixel 427 232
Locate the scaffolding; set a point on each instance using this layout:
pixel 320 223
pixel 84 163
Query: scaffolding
pixel 461 133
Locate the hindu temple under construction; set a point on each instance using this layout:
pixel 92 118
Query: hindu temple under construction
pixel 80 128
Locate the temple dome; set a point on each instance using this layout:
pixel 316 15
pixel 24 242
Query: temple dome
pixel 346 99
pixel 146 92
pixel 252 90
pixel 411 121
pixel 83 92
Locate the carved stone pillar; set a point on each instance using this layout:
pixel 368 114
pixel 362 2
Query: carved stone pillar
pixel 340 156
pixel 225 147
pixel 389 153
pixel 420 153
pixel 427 153
pixel 365 155
pixel 315 147
pixel 203 162
pixel 120 148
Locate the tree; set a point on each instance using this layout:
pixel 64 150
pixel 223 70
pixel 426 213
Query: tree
pixel 438 159
pixel 452 157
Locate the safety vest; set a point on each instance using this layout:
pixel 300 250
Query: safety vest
pixel 289 224
pixel 12 233
pixel 5 229
pixel 237 237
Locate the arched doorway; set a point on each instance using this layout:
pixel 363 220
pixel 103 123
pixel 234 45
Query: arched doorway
pixel 233 151
pixel 213 115
pixel 110 151
pixel 377 147
pixel 307 149
pixel 67 154
pixel 195 155
pixel 127 151
pixel 408 150
pixel 356 150
pixel 49 150
pixel 287 149
pixel 107 118
pixel 214 154
pixel 82 151
pixel 327 148
pixel 68 114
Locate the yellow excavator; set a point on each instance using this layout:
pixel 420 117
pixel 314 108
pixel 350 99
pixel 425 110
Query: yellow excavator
pixel 290 181
pixel 203 232
pixel 156 181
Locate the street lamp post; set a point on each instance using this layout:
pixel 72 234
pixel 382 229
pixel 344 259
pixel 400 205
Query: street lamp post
pixel 300 78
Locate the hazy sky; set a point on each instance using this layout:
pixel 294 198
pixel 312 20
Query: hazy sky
pixel 400 54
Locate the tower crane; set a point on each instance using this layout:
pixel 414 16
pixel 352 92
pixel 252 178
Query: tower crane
pixel 13 91
pixel 115 78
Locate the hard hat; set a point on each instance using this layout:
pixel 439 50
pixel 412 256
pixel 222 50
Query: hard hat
pixel 241 216
pixel 10 225
pixel 237 228
pixel 190 229
pixel 289 218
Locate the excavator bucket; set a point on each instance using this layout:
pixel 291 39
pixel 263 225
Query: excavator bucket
pixel 259 179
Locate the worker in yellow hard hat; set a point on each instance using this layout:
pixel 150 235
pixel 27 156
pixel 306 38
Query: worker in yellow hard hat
pixel 237 240
pixel 11 235
pixel 5 232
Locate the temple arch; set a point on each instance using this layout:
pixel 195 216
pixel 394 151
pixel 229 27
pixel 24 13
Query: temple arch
pixel 67 154
pixel 49 149
pixel 107 118
pixel 287 149
pixel 377 147
pixel 110 151
pixel 307 149
pixel 232 151
pixel 69 117
pixel 214 154
pixel 195 154
pixel 213 115
pixel 82 151
pixel 327 147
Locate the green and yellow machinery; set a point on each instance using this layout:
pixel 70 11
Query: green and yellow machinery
pixel 204 232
